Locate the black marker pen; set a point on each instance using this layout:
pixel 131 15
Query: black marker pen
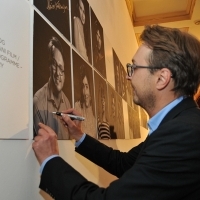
pixel 71 116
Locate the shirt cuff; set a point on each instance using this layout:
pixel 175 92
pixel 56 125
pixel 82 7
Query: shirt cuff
pixel 45 161
pixel 80 141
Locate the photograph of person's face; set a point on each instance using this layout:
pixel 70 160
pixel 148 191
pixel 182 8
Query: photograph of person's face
pixel 83 82
pixel 54 63
pixel 82 11
pixel 86 92
pixel 98 37
pixel 57 70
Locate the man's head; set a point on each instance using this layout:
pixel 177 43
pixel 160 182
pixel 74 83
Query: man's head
pixel 56 64
pixel 177 51
pixel 166 65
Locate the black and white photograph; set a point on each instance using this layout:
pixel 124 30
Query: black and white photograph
pixel 134 123
pixel 57 12
pixel 80 20
pixel 84 94
pixel 51 77
pixel 102 107
pixel 98 45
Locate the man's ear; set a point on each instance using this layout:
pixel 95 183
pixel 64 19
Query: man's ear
pixel 163 79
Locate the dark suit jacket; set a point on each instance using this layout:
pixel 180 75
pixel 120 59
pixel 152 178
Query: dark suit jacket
pixel 166 166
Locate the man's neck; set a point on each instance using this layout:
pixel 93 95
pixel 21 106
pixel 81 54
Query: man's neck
pixel 160 104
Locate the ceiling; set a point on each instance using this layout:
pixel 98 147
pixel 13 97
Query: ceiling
pixel 182 14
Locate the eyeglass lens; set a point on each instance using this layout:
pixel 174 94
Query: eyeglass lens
pixel 55 67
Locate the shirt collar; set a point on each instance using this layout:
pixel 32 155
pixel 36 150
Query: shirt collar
pixel 154 122
pixel 50 94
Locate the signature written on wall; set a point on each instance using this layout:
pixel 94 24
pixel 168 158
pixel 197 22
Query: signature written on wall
pixel 56 6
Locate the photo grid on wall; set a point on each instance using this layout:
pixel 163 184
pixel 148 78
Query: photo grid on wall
pixel 69 70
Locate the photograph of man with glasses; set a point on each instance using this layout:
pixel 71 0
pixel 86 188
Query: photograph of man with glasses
pixel 52 87
pixel 50 97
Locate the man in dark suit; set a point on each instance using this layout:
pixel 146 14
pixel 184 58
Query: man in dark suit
pixel 165 74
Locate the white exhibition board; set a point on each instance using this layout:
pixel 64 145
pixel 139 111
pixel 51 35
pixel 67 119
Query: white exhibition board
pixel 14 69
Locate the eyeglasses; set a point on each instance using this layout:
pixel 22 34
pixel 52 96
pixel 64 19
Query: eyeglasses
pixel 132 67
pixel 55 66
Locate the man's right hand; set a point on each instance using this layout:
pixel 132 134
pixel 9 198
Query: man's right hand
pixel 73 126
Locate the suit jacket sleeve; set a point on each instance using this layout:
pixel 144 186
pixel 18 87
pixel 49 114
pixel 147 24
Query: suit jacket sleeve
pixel 113 161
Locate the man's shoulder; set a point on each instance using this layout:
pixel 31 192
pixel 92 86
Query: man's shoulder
pixel 41 92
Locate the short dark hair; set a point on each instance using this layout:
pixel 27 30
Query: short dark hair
pixel 54 42
pixel 177 51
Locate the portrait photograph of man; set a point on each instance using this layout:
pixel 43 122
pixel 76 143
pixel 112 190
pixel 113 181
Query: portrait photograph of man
pixel 51 77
